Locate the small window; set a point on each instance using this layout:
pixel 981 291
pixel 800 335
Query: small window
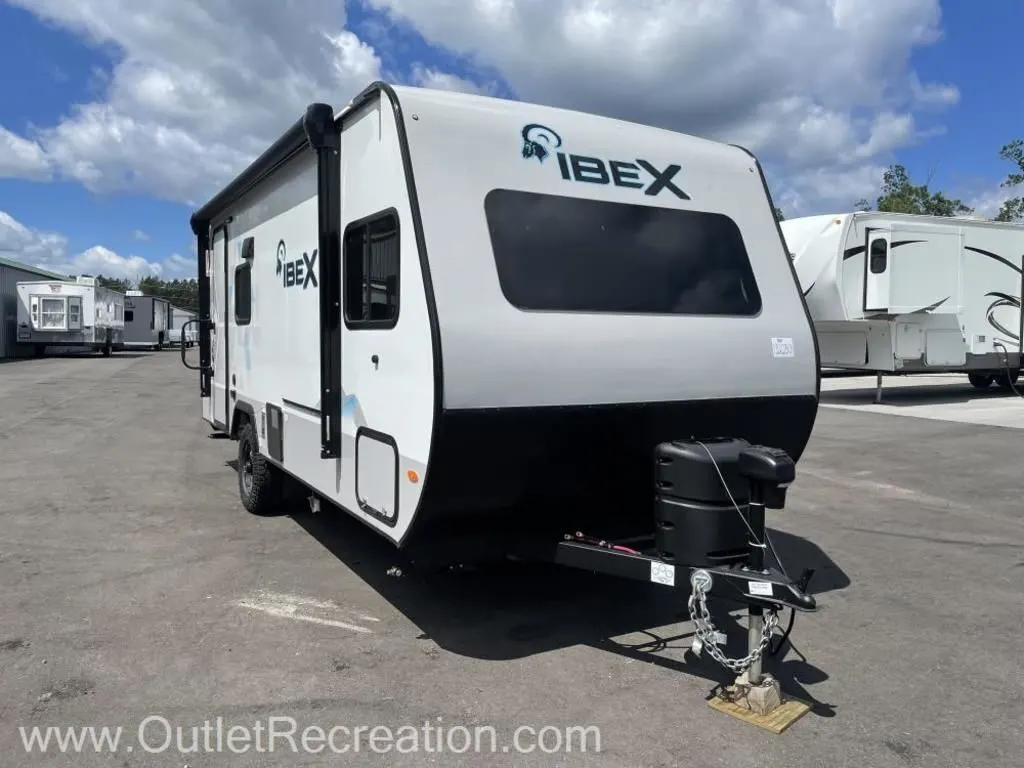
pixel 243 283
pixel 568 254
pixel 243 294
pixel 129 315
pixel 371 258
pixel 879 256
pixel 35 311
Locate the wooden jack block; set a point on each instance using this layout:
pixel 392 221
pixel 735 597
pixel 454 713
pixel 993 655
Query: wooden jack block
pixel 762 705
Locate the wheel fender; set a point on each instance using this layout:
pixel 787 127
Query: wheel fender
pixel 241 412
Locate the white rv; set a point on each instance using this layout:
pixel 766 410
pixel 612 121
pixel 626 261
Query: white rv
pixel 77 313
pixel 463 319
pixel 908 294
pixel 177 333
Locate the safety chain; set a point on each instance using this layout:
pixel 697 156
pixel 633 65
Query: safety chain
pixel 706 633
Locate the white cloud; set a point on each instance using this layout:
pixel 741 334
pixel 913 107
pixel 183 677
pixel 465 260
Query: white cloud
pixel 139 235
pixel 49 250
pixel 29 246
pixel 22 158
pixel 428 77
pixel 821 90
pixel 799 82
pixel 988 202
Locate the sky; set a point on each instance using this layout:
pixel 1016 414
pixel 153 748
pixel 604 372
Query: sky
pixel 120 117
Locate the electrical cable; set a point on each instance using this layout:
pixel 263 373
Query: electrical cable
pixel 1006 365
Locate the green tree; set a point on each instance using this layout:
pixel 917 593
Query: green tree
pixel 181 293
pixel 900 195
pixel 1013 209
pixel 779 215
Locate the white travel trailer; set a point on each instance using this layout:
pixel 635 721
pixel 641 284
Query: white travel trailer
pixel 177 333
pixel 76 313
pixel 463 319
pixel 899 293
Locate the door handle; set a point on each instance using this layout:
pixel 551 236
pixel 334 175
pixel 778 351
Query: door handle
pixel 375 359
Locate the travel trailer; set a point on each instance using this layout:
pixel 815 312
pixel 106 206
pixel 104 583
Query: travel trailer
pixel 145 320
pixel 176 322
pixel 899 293
pixel 64 313
pixel 483 326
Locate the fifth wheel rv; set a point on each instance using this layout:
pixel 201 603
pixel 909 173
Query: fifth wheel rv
pixel 483 325
pixel 900 293
pixel 65 313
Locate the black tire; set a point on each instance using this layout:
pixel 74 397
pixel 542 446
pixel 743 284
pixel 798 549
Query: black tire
pixel 980 380
pixel 259 482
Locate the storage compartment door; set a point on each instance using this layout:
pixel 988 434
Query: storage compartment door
pixel 377 474
pixel 877 271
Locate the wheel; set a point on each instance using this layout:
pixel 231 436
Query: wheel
pixel 1007 381
pixel 259 482
pixel 38 350
pixel 980 380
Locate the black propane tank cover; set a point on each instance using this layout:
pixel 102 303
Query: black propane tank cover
pixel 684 470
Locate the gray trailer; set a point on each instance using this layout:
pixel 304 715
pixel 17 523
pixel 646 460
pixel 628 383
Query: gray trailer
pixel 145 320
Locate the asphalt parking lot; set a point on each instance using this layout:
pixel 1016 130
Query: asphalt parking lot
pixel 135 586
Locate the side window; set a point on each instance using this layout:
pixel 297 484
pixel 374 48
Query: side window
pixel 243 284
pixel 129 315
pixel 370 259
pixel 879 256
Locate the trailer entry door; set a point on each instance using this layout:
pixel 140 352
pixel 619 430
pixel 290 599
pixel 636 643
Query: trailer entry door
pixel 877 270
pixel 218 413
pixel 74 313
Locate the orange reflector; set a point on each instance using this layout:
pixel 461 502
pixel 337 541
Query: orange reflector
pixel 413 476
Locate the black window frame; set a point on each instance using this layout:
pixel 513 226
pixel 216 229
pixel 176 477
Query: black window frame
pixel 244 269
pixel 129 316
pixel 875 258
pixel 754 298
pixel 348 259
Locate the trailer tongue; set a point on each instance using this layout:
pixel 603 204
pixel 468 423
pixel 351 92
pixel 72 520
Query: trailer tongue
pixel 710 540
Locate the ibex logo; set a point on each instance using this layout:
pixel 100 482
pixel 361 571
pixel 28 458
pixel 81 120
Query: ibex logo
pixel 298 271
pixel 539 141
pixel 536 140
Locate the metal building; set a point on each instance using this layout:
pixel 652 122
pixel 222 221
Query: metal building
pixel 11 273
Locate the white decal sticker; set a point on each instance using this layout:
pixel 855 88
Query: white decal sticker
pixel 663 573
pixel 782 347
pixel 760 588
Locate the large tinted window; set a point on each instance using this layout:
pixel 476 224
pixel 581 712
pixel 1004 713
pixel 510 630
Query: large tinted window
pixel 575 255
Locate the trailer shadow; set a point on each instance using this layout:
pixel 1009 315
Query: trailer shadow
pixel 514 610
